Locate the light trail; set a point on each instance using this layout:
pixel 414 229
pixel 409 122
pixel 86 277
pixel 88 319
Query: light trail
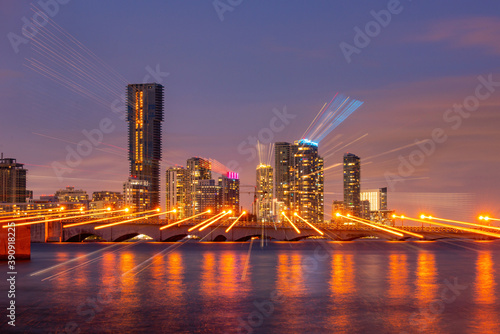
pixel 293 225
pixel 459 222
pixel 133 219
pixel 26 212
pixel 183 220
pixel 305 221
pixel 370 224
pixel 230 227
pixel 491 234
pixel 38 216
pixel 487 218
pixel 205 221
pixel 108 218
pixel 393 228
pixel 215 220
pixel 105 212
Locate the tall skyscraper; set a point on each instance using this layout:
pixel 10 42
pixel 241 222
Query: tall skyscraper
pixel 144 115
pixel 230 192
pixel 282 161
pixel 306 181
pixel 176 191
pixel 352 182
pixel 264 193
pixel 12 181
pixel 197 169
pixel 208 196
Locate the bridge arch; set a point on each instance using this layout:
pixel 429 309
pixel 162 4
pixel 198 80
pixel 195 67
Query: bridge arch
pixel 175 238
pixel 82 236
pixel 128 236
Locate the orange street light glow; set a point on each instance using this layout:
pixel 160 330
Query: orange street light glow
pixel 205 221
pixel 393 228
pixel 294 227
pixel 373 225
pixel 487 218
pixel 491 234
pixel 62 218
pixel 38 216
pixel 230 227
pixel 183 220
pixel 29 212
pixel 463 223
pixel 305 221
pixel 213 221
pixel 131 220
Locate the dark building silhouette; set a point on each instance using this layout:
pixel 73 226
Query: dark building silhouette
pixel 352 184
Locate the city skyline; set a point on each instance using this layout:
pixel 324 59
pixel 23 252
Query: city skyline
pixel 406 98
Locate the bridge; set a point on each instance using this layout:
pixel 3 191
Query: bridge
pixel 243 231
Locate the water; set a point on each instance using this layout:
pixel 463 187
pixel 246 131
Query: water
pixel 304 287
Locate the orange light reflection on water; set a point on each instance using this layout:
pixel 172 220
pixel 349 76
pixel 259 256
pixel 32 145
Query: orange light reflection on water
pixel 486 318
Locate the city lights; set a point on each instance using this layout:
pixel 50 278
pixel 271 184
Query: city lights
pixel 311 225
pixel 459 222
pixel 234 223
pixel 133 219
pixel 291 223
pixel 215 220
pixel 185 219
pixel 206 221
pixel 348 216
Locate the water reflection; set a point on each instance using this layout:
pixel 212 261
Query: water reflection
pixel 426 293
pixel 343 291
pixel 486 311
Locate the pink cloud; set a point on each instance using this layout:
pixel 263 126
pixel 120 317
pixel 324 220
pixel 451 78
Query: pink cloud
pixel 477 32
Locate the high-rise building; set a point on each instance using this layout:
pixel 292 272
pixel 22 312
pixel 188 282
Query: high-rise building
pixel 12 181
pixel 376 197
pixel 306 181
pixel 104 199
pixel 177 186
pixel 135 193
pixel 197 169
pixel 144 116
pixel 208 196
pixel 352 181
pixel 264 190
pixel 230 192
pixel 282 161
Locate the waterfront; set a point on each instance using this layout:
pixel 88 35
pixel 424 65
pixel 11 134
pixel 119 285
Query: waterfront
pixel 364 286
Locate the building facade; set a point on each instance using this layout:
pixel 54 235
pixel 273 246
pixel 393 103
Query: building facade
pixel 264 189
pixel 197 169
pixel 135 194
pixel 352 184
pixel 177 186
pixel 230 192
pixel 12 182
pixel 306 181
pixel 376 197
pixel 282 163
pixel 145 116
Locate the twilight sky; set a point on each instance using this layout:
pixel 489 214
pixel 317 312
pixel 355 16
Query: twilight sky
pixel 228 78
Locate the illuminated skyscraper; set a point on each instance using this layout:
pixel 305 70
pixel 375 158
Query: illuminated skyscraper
pixel 352 181
pixel 264 193
pixel 197 169
pixel 306 181
pixel 177 184
pixel 230 192
pixel 282 161
pixel 376 197
pixel 144 116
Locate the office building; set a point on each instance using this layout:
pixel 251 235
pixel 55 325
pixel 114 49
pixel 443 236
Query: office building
pixel 264 189
pixel 352 180
pixel 230 192
pixel 197 169
pixel 177 186
pixel 12 181
pixel 306 181
pixel 144 116
pixel 136 194
pixel 376 197
pixel 282 161
pixel 72 195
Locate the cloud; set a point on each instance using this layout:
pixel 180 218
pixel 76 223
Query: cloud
pixel 465 33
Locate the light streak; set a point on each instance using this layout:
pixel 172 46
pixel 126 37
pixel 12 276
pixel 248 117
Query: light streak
pixel 205 221
pixel 459 222
pixel 108 218
pixel 305 221
pixel 28 213
pixel 230 227
pixel 106 212
pixel 491 234
pixel 183 220
pixel 370 224
pixel 487 218
pixel 394 228
pixel 293 225
pixel 132 220
pixel 38 216
pixel 215 220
